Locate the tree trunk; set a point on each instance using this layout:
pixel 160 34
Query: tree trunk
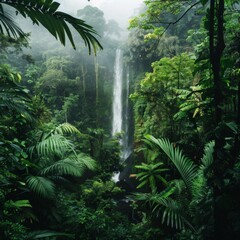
pixel 217 45
pixel 97 87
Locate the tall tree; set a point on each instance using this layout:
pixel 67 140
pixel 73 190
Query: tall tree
pixel 217 87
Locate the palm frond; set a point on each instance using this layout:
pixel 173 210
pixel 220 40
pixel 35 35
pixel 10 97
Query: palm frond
pixel 199 189
pixel 41 186
pixel 46 234
pixel 65 128
pixel 186 168
pixel 178 184
pixel 174 214
pixel 207 158
pixel 45 12
pixel 54 144
pixel 74 165
pixel 60 180
pixel 9 27
pixel 149 174
pixel 87 161
pixel 68 166
pixel 152 198
pixel 18 204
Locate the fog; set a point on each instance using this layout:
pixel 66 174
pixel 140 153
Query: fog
pixel 119 10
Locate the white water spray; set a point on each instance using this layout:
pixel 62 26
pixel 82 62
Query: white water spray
pixel 117 121
pixel 121 111
pixel 117 94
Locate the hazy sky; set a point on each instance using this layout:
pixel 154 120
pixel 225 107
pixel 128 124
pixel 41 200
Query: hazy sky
pixel 119 10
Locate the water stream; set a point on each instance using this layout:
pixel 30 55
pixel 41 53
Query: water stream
pixel 121 106
pixel 117 94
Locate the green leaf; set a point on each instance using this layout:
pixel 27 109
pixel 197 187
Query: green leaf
pixel 54 144
pixel 47 234
pixel 87 161
pixel 233 126
pixel 66 128
pixel 54 6
pixel 207 158
pixel 142 184
pixel 41 186
pixel 18 203
pixel 68 166
pixel 204 2
pixel 186 168
pixel 45 12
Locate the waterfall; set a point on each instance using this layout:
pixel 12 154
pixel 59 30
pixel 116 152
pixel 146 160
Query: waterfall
pixel 120 122
pixel 120 108
pixel 117 94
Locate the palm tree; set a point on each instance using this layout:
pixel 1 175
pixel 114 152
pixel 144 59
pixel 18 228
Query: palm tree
pixel 181 203
pixel 52 159
pixel 150 174
pixel 36 172
pixel 45 13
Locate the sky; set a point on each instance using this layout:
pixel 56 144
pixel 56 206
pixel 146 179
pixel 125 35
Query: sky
pixel 119 10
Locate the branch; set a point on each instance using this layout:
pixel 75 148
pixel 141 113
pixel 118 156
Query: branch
pixel 172 23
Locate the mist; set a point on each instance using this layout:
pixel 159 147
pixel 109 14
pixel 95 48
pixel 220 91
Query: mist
pixel 118 10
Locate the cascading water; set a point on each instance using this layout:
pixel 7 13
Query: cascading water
pixel 117 94
pixel 120 111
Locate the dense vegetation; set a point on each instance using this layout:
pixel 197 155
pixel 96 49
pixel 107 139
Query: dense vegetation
pixel 57 155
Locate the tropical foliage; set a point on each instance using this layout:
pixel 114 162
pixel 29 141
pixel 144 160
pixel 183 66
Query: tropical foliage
pixel 206 112
pixel 185 202
pixel 46 13
pixel 58 159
